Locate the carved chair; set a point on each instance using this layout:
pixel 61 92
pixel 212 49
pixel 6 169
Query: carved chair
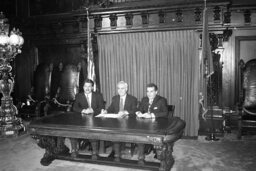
pixel 247 98
pixel 40 91
pixel 68 88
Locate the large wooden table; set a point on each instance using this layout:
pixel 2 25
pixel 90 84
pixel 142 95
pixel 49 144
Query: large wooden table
pixel 161 132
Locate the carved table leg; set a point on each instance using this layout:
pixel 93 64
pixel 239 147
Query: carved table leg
pixel 74 149
pixel 164 154
pixel 49 144
pixel 141 154
pixel 95 149
pixel 117 151
pixel 61 147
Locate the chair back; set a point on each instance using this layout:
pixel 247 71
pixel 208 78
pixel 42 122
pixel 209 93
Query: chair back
pixel 249 85
pixel 41 82
pixel 68 84
pixel 171 109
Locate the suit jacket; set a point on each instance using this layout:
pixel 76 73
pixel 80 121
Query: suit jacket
pixel 97 103
pixel 130 104
pixel 158 107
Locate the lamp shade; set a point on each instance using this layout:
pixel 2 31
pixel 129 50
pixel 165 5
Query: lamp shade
pixel 14 39
pixel 4 39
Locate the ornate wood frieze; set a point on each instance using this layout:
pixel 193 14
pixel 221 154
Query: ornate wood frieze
pixel 126 19
pixel 217 39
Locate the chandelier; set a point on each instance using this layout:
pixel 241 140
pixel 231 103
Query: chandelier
pixel 10 45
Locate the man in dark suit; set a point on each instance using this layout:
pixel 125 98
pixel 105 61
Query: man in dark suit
pixel 153 105
pixel 88 102
pixel 123 104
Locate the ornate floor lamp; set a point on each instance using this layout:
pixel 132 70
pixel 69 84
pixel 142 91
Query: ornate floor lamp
pixel 10 45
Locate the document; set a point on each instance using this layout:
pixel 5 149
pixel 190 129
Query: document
pixel 108 115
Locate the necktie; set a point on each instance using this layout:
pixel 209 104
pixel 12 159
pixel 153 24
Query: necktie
pixel 149 105
pixel 88 100
pixel 121 105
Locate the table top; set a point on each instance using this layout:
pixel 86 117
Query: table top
pixel 76 125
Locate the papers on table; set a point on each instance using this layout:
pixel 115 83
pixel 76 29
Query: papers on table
pixel 108 115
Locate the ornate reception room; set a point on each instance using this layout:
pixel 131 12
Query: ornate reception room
pixel 125 85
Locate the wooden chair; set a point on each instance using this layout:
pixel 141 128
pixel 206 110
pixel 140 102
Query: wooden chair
pixel 247 99
pixel 67 89
pixel 171 109
pixel 40 92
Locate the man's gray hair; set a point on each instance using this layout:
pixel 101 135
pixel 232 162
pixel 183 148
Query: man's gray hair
pixel 122 82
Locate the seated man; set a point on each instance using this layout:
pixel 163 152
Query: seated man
pixel 151 107
pixel 123 104
pixel 86 103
